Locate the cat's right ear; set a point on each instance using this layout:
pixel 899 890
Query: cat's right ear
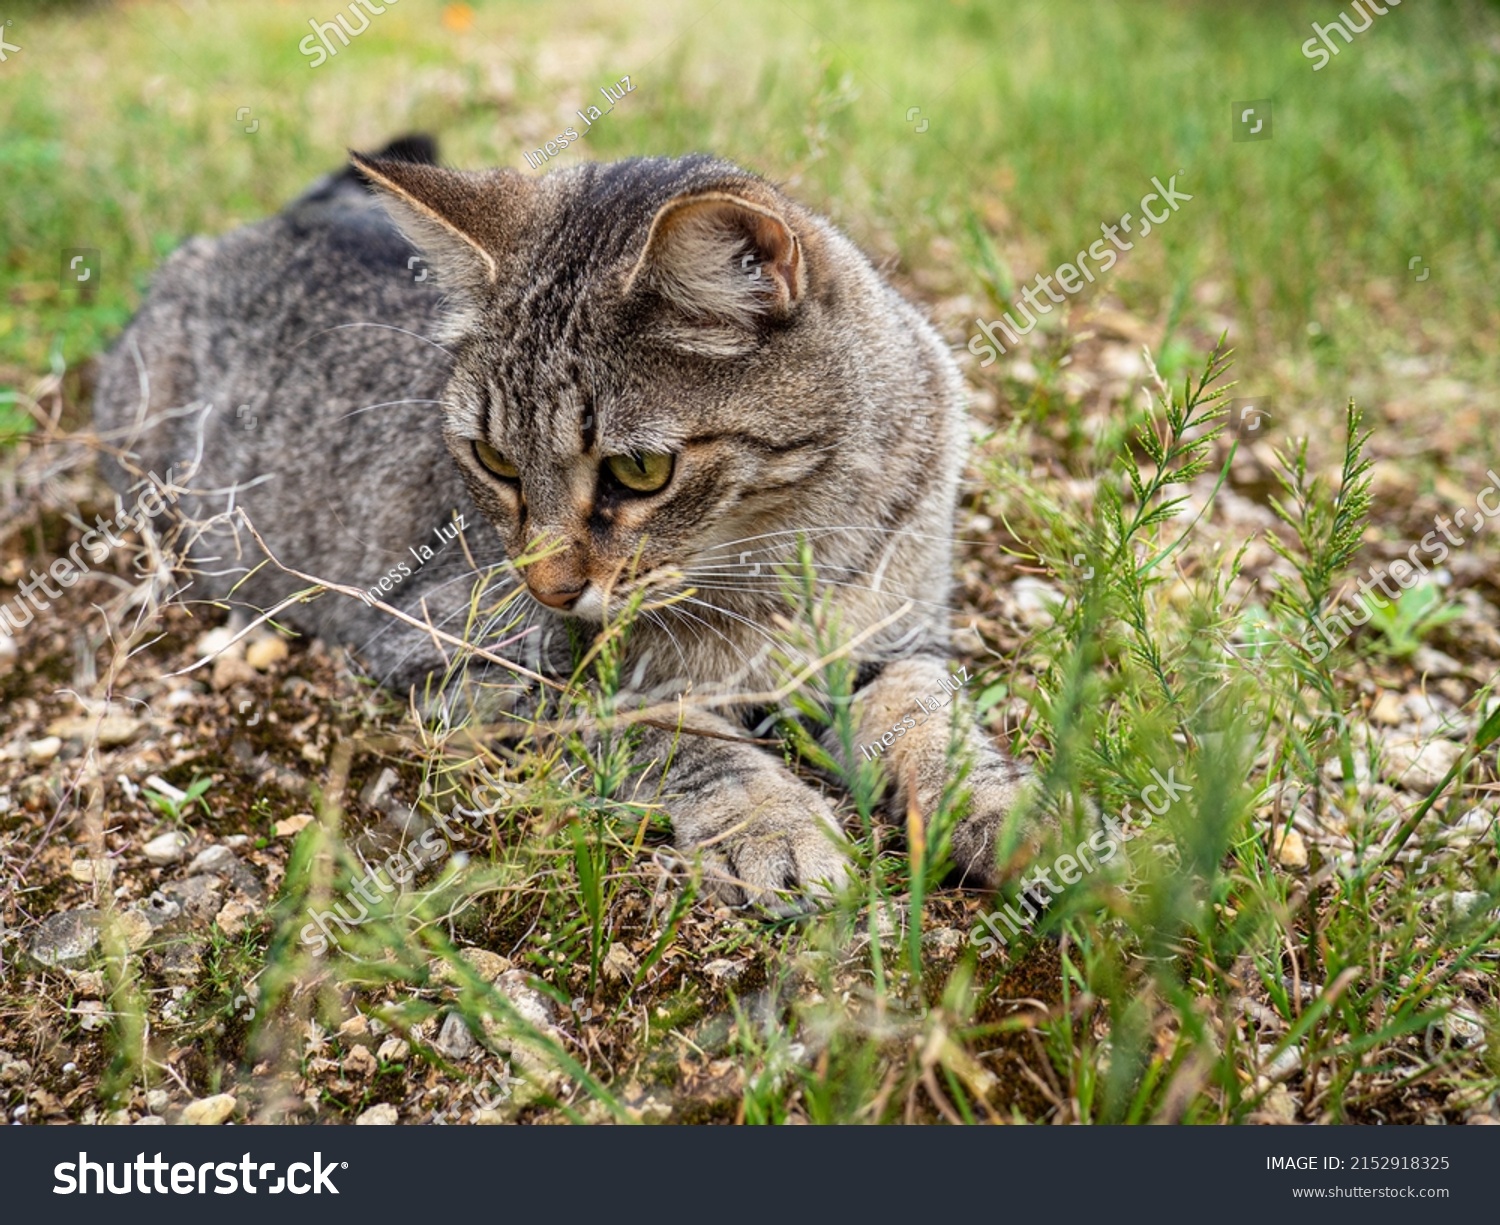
pixel 464 221
pixel 723 257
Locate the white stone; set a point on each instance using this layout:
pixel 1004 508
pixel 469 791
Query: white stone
pixel 166 848
pixel 1420 766
pixel 40 752
pixel 1035 600
pixel 218 641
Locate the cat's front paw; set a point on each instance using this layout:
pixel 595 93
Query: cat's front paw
pixel 997 787
pixel 773 839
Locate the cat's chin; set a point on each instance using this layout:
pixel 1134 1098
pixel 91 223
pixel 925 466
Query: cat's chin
pixel 594 608
pixel 588 607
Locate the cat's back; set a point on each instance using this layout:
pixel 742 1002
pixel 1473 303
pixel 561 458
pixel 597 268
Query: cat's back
pixel 287 369
pixel 226 314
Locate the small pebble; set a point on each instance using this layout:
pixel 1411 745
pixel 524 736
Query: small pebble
pixel 40 752
pixel 1291 850
pixel 1420 767
pixel 393 1050
pixel 455 1042
pixel 66 939
pixel 1430 662
pixel 376 790
pixel 164 788
pixel 135 927
pixel 212 859
pixel 263 654
pixel 92 871
pixel 488 965
pixel 230 671
pixel 108 731
pixel 208 1111
pixel 217 642
pixel 234 917
pixel 1035 600
pixel 166 848
pixel 1463 903
pixel 356 1026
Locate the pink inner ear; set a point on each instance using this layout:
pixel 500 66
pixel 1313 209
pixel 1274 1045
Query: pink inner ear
pixel 696 258
pixel 783 258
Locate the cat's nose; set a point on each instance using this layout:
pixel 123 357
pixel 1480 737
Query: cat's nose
pixel 559 577
pixel 555 599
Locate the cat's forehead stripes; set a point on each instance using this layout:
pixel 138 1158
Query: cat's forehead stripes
pixel 608 334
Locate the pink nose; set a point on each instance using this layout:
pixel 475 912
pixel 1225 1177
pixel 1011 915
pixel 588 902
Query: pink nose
pixel 555 599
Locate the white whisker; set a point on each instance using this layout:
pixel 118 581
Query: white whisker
pixel 771 591
pixel 389 327
pixel 387 404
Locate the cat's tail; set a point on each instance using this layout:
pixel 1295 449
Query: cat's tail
pixel 413 147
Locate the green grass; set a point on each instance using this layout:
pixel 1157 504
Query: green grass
pixel 1155 954
pixel 1044 120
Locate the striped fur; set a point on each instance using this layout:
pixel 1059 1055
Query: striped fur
pixel 681 307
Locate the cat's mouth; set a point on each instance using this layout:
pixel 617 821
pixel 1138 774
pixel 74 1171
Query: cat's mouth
pixel 586 603
pixel 597 603
pixel 590 605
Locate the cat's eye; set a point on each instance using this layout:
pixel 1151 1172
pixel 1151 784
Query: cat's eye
pixel 494 461
pixel 641 472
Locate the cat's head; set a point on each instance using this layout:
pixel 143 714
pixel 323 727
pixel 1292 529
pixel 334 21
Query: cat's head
pixel 647 379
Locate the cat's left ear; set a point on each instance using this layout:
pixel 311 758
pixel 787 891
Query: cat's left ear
pixel 464 221
pixel 722 258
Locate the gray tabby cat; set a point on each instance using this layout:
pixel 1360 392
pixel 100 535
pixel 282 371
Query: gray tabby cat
pixel 665 371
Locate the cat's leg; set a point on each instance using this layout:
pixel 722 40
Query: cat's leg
pixel 757 827
pixel 905 719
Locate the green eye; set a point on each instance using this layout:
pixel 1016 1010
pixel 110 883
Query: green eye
pixel 641 473
pixel 494 461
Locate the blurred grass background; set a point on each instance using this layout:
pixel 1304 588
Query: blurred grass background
pixel 122 130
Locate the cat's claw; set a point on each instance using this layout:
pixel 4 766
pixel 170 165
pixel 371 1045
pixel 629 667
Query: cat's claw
pixel 785 864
